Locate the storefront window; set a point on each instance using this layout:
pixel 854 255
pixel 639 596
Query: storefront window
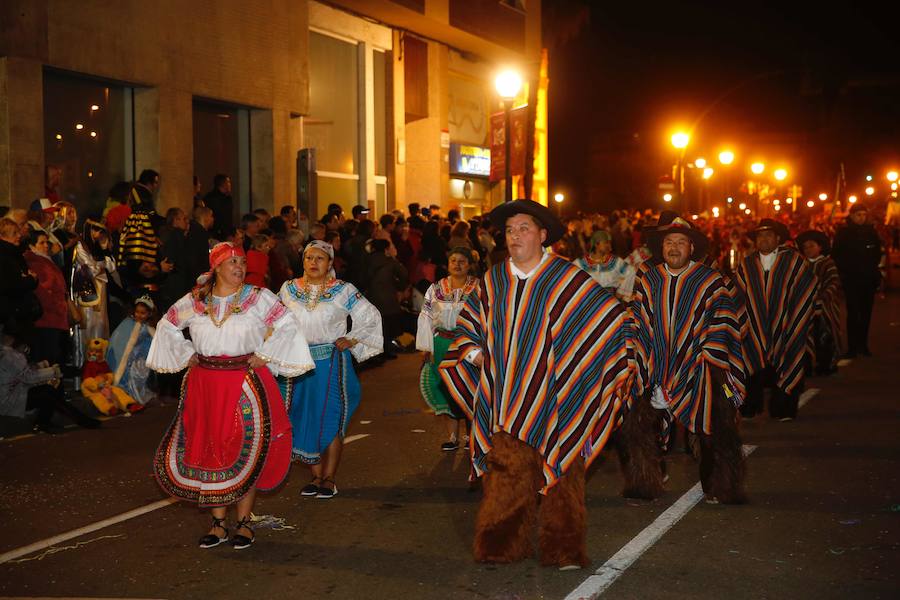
pixel 88 139
pixel 216 148
pixel 333 125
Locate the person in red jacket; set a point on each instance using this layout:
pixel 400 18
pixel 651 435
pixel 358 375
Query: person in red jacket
pixel 50 337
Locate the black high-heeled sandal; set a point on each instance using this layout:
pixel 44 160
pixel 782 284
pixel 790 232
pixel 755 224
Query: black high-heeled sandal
pixel 211 540
pixel 239 542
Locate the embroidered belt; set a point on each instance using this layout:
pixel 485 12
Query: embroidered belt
pixel 321 351
pixel 224 363
pixel 448 335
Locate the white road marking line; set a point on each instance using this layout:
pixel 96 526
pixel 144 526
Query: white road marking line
pixel 63 537
pixel 807 396
pixel 599 582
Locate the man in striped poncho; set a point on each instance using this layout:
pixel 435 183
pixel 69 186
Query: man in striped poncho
pixel 826 335
pixel 689 367
pixel 551 344
pixel 780 290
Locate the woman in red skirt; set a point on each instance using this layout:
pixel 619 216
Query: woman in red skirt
pixel 231 435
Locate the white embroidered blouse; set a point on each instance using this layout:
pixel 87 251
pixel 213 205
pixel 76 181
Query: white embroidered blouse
pixel 254 311
pixel 322 312
pixel 440 310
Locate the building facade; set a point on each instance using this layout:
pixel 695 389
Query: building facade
pixel 376 102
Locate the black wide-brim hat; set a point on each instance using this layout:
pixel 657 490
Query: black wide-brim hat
pixel 780 229
pixel 677 225
pixel 544 215
pixel 816 236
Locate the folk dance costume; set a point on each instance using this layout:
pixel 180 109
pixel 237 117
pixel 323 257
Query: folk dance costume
pixel 613 274
pixel 689 368
pixel 435 332
pixel 554 359
pixel 780 292
pixel 323 401
pixel 231 433
pixel 826 340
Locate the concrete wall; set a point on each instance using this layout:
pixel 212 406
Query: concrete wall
pixel 252 54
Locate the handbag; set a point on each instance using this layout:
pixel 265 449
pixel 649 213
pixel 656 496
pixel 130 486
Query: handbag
pixel 84 287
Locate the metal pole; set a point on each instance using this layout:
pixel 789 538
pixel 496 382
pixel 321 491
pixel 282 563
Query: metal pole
pixel 508 191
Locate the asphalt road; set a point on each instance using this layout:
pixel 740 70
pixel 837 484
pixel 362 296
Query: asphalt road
pixel 822 520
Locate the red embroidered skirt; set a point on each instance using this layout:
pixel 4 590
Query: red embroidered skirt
pixel 231 434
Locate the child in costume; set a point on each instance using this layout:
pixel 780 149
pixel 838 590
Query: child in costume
pixel 97 382
pixel 128 350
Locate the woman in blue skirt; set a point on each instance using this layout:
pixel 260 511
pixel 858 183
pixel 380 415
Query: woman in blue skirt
pixel 323 400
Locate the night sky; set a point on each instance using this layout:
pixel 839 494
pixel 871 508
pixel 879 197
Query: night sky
pixel 805 85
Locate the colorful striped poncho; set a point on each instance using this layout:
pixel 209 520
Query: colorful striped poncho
pixel 555 362
pixel 686 325
pixel 828 303
pixel 779 314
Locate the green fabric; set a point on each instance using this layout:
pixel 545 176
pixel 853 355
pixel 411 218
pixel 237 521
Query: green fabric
pixel 430 385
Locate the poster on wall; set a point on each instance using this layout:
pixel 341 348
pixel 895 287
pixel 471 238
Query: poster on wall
pixel 518 119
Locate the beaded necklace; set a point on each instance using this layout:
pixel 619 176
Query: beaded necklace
pixel 234 307
pixel 310 293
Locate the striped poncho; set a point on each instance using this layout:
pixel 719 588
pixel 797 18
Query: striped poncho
pixel 828 303
pixel 555 360
pixel 686 325
pixel 779 314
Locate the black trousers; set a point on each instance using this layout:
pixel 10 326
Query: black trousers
pixel 860 299
pixel 781 404
pixel 49 344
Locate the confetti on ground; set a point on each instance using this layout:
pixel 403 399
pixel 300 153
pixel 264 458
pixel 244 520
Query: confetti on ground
pixel 55 549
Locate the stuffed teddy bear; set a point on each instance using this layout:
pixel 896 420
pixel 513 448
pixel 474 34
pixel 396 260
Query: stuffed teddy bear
pixel 97 382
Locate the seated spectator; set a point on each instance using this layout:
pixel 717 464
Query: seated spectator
pixel 25 387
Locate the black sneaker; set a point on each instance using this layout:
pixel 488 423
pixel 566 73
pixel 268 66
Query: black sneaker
pixel 450 446
pixel 311 488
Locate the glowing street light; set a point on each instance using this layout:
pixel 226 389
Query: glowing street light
pixel 894 187
pixel 810 203
pixel 780 174
pixel 59 136
pixel 708 172
pixel 742 206
pixel 680 140
pixel 777 208
pixel 79 126
pixel 757 168
pixel 715 211
pixel 700 163
pixel 789 200
pixel 870 191
pixel 667 197
pixel 94 107
pixel 559 197
pixel 852 199
pixel 823 196
pixel 730 200
pixel 93 134
pixel 508 84
pixel 747 211
pixel 726 157
pixel 868 178
pixel 892 175
pixel 776 201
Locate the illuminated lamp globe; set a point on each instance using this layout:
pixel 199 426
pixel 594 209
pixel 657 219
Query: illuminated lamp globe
pixel 747 211
pixel 742 206
pixel 892 176
pixel 559 197
pixel 810 203
pixel 780 174
pixel 508 83
pixel 852 199
pixel 870 191
pixel 700 163
pixel 757 168
pixel 726 157
pixel 667 197
pixel 707 172
pixel 680 140
pixel 823 196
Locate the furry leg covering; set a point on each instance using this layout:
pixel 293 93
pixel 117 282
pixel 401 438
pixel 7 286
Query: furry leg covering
pixel 563 518
pixel 640 456
pixel 508 507
pixel 723 467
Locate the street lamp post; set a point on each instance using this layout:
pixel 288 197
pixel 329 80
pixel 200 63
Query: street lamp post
pixel 680 141
pixel 508 84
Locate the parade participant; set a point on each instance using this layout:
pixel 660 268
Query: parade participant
pixel 607 269
pixel 437 321
pixel 780 290
pixel 690 367
pixel 93 266
pixel 552 348
pixel 322 402
pixel 857 252
pixel 826 334
pixel 231 435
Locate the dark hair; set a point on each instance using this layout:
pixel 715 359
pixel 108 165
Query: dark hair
pixel 327 217
pixel 148 176
pixel 120 191
pixel 380 245
pixel 261 212
pixel 335 208
pixel 386 219
pixel 35 234
pixel 330 235
pixel 366 228
pixel 463 251
pixel 452 214
pixel 278 226
pixel 286 210
pixel 247 219
pixel 172 214
pixel 413 208
pixel 219 179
